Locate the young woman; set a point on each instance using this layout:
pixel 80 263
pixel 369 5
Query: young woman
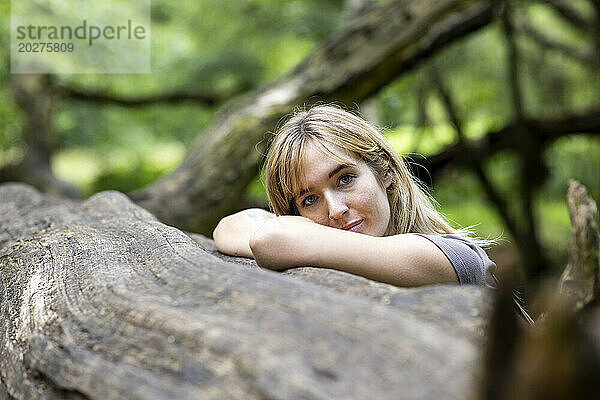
pixel 344 199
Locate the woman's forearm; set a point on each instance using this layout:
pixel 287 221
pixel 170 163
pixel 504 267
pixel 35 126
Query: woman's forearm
pixel 401 260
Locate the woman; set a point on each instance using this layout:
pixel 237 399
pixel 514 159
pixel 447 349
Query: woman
pixel 344 199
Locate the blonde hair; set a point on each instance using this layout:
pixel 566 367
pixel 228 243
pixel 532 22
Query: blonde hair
pixel 412 209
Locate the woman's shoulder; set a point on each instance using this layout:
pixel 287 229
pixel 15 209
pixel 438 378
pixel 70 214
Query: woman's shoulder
pixel 471 262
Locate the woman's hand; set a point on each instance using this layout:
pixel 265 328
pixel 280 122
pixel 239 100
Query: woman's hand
pixel 233 232
pixel 279 243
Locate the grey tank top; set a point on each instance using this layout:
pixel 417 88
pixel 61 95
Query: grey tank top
pixel 470 261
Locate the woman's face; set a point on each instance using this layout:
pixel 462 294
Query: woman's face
pixel 344 195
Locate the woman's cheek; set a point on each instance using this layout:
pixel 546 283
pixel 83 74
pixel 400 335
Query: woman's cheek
pixel 315 216
pixel 319 220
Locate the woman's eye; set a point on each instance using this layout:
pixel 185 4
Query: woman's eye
pixel 346 179
pixel 308 200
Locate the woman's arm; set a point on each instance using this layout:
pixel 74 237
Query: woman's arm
pixel 233 232
pixel 401 260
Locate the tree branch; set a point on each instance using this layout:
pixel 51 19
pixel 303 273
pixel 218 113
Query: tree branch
pixel 207 99
pixel 422 116
pixel 476 164
pixel 513 61
pixel 546 131
pixel 531 164
pixel 570 15
pixel 581 55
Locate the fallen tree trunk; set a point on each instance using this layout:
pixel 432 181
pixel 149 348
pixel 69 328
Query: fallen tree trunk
pixel 353 65
pixel 100 300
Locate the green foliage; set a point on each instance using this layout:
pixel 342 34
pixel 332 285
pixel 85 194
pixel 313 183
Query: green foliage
pixel 575 157
pixel 212 47
pixel 122 169
pixel 11 144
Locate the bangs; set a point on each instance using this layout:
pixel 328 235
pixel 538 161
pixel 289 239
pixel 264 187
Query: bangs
pixel 294 171
pixel 290 172
pixel 350 157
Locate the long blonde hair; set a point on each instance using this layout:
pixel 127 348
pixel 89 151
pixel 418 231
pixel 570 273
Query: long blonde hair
pixel 412 209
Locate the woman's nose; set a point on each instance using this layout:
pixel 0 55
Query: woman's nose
pixel 336 206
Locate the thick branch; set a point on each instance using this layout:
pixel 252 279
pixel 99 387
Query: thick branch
pixel 546 131
pixel 580 281
pixel 207 99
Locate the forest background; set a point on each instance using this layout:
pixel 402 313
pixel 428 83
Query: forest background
pixel 536 61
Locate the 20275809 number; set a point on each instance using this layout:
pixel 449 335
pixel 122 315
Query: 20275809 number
pixel 45 47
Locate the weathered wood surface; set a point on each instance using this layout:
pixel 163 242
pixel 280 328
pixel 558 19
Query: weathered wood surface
pixel 100 300
pixel 454 308
pixel 580 281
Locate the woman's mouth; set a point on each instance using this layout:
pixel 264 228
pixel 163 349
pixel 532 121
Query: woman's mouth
pixel 353 226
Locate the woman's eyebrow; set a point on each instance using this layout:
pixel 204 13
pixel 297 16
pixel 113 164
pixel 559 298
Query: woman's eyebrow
pixel 332 173
pixel 338 169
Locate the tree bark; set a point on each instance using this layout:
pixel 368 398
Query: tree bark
pixel 351 66
pixel 100 300
pixel 580 281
